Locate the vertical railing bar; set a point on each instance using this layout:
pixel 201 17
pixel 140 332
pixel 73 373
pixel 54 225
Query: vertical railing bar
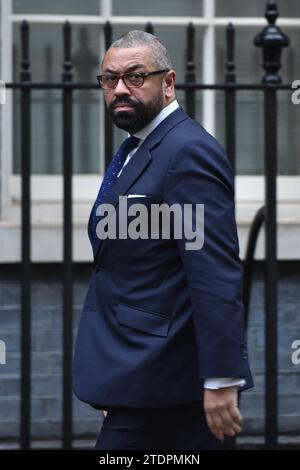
pixel 230 132
pixel 230 98
pixel 149 28
pixel 271 268
pixel 108 128
pixel 271 40
pixel 67 241
pixel 25 242
pixel 190 95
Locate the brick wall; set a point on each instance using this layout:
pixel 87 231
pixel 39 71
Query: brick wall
pixel 289 374
pixel 46 355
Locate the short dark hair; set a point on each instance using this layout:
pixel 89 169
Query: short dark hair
pixel 161 57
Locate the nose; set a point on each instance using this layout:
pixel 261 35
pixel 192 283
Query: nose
pixel 121 88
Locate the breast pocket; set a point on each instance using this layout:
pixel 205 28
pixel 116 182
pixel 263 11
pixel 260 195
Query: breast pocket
pixel 143 320
pixel 144 200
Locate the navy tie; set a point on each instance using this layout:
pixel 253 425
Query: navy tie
pixel 110 178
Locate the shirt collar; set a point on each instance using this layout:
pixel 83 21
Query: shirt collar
pixel 143 133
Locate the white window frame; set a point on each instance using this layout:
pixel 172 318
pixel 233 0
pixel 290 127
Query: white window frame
pixel 45 188
pixel 6 110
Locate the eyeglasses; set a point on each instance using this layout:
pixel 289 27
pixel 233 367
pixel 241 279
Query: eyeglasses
pixel 109 81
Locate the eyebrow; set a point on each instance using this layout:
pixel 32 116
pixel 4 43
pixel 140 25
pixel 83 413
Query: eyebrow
pixel 130 69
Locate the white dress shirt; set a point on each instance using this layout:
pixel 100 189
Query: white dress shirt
pixel 214 383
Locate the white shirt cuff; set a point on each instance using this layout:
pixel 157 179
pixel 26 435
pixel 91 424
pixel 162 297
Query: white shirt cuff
pixel 214 384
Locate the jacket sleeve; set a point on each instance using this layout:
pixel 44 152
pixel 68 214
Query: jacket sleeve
pixel 199 173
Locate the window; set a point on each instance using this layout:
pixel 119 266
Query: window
pixel 158 8
pixel 255 8
pixel 46 64
pixel 46 59
pixel 250 124
pixel 57 7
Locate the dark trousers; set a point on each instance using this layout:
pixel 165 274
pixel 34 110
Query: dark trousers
pixel 177 427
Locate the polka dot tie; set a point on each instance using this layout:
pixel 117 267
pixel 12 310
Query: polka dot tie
pixel 111 177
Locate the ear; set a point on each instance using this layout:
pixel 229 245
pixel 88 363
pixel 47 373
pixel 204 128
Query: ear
pixel 169 83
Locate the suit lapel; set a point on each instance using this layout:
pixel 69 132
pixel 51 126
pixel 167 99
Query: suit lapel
pixel 138 164
pixel 129 175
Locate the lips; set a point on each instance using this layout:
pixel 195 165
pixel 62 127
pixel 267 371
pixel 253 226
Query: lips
pixel 122 107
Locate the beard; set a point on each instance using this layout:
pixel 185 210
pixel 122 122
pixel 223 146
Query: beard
pixel 139 116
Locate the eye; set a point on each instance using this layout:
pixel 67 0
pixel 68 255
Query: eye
pixel 134 79
pixel 110 78
pixel 134 75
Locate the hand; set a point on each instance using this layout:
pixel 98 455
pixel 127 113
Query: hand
pixel 104 412
pixel 222 412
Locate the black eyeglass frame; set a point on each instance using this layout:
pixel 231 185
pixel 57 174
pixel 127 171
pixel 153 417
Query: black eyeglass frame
pixel 142 74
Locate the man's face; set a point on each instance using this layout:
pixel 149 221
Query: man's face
pixel 132 109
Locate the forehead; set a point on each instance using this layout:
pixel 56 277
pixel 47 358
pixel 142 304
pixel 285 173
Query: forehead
pixel 120 59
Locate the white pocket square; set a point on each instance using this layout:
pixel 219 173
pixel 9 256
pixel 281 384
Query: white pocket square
pixel 136 195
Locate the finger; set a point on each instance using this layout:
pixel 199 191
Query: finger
pixel 216 418
pixel 229 426
pixel 222 422
pixel 233 418
pixel 235 414
pixel 213 428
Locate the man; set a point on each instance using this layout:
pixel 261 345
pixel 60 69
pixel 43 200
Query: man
pixel 161 343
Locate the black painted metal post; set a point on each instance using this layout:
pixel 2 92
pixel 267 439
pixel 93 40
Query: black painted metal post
pixel 25 243
pixel 190 95
pixel 149 28
pixel 272 40
pixel 230 97
pixel 271 267
pixel 230 132
pixel 67 241
pixel 108 128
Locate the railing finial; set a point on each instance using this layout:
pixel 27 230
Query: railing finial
pixel 230 63
pixel 67 65
pixel 272 40
pixel 271 11
pixel 25 64
pixel 149 28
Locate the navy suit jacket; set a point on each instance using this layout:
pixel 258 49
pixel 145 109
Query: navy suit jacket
pixel 159 319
